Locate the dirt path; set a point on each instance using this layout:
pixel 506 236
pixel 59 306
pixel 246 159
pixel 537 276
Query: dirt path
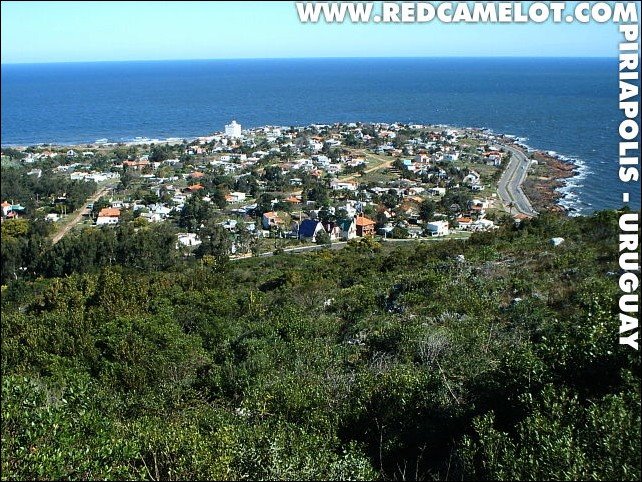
pixel 78 215
pixel 384 165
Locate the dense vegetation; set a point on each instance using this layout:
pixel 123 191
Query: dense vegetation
pixel 410 362
pixel 54 190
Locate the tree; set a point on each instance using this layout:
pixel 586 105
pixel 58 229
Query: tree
pixel 217 197
pixel 323 238
pixel 390 199
pixel 194 213
pixel 427 209
pixel 216 242
pixel 318 192
pixel 510 206
pixel 126 178
pixel 99 204
pixel 399 232
pixel 159 153
pixel 326 216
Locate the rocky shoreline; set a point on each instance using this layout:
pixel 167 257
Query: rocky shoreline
pixel 545 179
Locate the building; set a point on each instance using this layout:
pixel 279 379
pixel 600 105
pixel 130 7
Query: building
pixel 235 197
pixel 471 179
pixel 108 216
pixel 233 129
pixel 365 226
pixel 438 228
pixel 11 210
pixel 270 219
pixel 136 165
pixel 337 185
pixel 348 229
pixel 293 199
pixel 309 230
pixel 464 222
pixel 187 239
pixel 333 229
pixel 6 207
pixel 194 187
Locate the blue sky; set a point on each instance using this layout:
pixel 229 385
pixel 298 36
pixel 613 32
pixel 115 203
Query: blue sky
pixel 106 31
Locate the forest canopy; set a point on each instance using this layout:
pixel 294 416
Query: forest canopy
pixel 491 358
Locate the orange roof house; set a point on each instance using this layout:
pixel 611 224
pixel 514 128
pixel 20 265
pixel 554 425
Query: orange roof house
pixel 195 187
pixel 464 221
pixel 365 226
pixel 196 175
pixel 270 219
pixel 108 216
pixel 109 212
pixel 293 200
pixel 135 164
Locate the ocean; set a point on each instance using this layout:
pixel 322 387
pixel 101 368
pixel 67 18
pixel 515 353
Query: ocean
pixel 569 106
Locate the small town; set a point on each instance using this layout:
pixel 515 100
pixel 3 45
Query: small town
pixel 275 241
pixel 273 188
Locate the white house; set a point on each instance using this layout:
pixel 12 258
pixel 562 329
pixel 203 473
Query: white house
pixel 270 219
pixel 438 228
pixel 235 197
pixel 347 185
pixel 187 239
pixel 78 176
pixel 348 229
pixel 233 129
pixel 159 210
pixel 108 216
pixel 471 179
pixel 483 225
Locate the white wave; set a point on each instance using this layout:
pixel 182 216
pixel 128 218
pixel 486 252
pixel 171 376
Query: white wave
pixel 570 190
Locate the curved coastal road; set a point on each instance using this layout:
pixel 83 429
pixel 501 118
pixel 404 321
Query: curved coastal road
pixel 510 184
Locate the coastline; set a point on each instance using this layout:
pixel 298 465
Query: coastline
pixel 547 185
pixel 547 180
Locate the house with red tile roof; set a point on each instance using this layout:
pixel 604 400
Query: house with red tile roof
pixel 6 207
pixel 137 165
pixel 194 187
pixel 365 226
pixel 108 216
pixel 293 199
pixel 270 219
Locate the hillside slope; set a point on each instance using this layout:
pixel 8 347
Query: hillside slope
pixel 492 358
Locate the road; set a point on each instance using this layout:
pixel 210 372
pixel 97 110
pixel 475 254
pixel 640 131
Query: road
pixel 342 244
pixel 78 215
pixel 510 184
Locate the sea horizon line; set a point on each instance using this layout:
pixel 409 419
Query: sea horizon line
pixel 400 57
